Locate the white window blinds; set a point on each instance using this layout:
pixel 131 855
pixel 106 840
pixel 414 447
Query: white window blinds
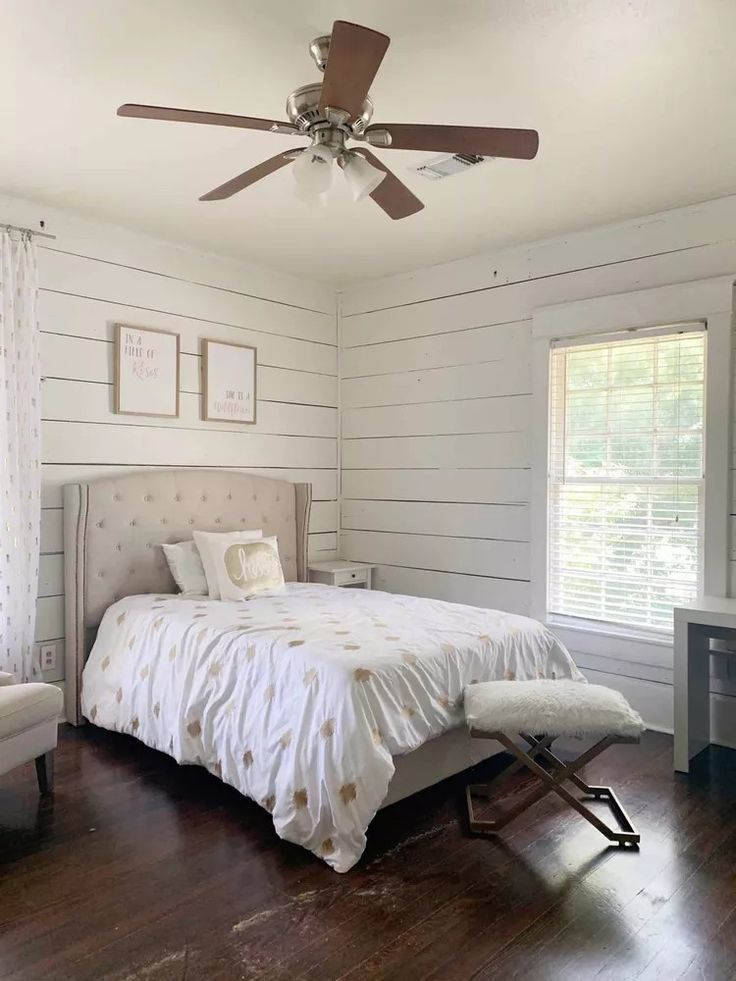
pixel 626 476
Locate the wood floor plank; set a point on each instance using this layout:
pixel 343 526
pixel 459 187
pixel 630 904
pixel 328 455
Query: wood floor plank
pixel 141 869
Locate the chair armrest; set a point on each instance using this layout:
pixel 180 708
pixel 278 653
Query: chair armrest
pixel 6 679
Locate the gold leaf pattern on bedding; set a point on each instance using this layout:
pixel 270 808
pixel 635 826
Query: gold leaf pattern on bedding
pixel 105 663
pixel 444 701
pixel 119 695
pixel 157 709
pixel 295 643
pixel 300 798
pixel 327 847
pixel 247 758
pixel 120 618
pixel 93 713
pixel 342 633
pixel 351 647
pixel 285 739
pixel 202 634
pixel 392 637
pixel 269 802
pixel 377 736
pixel 408 711
pixel 348 792
pixel 214 669
pixel 217 769
pixel 362 674
pixel 131 642
pixel 309 676
pixel 447 649
pixel 194 728
pixel 408 657
pixel 268 693
pixel 251 652
pixel 145 671
pixel 509 675
pixel 327 728
pixel 157 622
pixel 172 653
pixel 134 724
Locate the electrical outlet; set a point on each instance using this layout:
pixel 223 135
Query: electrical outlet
pixel 48 657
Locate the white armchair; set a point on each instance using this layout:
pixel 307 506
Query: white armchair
pixel 29 719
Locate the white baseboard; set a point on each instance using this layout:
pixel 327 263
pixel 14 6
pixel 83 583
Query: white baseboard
pixel 654 702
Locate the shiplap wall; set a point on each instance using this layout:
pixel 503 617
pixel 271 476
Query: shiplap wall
pixel 436 391
pixel 94 276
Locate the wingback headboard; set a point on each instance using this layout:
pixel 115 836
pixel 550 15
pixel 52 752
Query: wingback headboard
pixel 113 528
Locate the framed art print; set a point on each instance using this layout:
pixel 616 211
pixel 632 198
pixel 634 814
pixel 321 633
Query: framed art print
pixel 229 382
pixel 146 371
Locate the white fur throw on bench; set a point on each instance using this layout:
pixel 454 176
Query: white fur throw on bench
pixel 550 708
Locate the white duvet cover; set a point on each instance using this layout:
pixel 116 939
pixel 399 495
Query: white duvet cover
pixel 301 699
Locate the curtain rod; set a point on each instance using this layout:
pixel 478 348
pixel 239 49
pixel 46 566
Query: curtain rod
pixel 31 231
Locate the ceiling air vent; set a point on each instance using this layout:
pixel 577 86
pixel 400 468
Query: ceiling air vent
pixel 448 164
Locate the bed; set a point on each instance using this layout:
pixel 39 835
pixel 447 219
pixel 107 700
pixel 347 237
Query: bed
pixel 321 704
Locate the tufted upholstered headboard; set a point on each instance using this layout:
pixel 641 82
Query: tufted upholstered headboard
pixel 113 527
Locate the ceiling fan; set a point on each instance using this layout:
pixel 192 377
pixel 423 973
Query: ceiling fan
pixel 339 109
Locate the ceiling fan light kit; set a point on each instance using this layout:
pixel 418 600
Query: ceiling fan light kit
pixel 362 176
pixel 313 171
pixel 339 109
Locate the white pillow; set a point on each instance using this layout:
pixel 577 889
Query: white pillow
pixel 205 542
pixel 248 568
pixel 186 567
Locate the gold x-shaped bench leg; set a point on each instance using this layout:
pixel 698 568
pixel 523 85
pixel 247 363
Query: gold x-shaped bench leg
pixel 552 783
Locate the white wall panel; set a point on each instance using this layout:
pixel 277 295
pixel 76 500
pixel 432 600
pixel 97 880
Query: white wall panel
pixel 494 594
pixel 477 557
pixel 55 475
pixel 96 319
pixel 66 442
pixel 63 272
pixel 94 276
pixel 491 415
pixel 463 486
pixel 509 522
pixel 436 412
pixel 72 401
pixel 440 384
pixel 492 343
pixel 81 359
pixel 496 450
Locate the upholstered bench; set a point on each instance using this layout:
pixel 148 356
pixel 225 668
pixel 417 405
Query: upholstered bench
pixel 539 712
pixel 29 720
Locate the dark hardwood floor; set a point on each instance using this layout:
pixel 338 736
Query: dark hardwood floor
pixel 140 869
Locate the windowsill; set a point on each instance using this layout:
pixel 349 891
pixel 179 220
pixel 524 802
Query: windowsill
pixel 617 631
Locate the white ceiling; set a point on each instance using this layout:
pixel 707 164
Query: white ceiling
pixel 634 101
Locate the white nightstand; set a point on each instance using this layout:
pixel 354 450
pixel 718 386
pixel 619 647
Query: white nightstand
pixel 338 572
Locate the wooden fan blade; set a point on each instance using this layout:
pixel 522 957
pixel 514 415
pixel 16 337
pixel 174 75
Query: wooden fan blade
pixel 353 59
pixel 250 176
pixel 520 144
pixel 394 197
pixel 208 118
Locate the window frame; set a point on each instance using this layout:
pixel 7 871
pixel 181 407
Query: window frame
pixel 610 339
pixel 708 302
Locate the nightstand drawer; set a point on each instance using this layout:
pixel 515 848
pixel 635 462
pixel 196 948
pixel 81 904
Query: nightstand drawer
pixel 350 577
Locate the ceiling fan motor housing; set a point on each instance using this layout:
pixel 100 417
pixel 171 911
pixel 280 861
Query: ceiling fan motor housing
pixel 302 109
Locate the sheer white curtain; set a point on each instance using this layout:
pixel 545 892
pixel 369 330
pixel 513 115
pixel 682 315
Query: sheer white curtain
pixel 20 453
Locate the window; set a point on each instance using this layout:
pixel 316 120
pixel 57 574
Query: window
pixel 625 485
